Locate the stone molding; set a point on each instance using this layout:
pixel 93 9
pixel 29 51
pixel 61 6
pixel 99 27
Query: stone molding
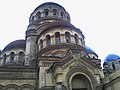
pixel 16 87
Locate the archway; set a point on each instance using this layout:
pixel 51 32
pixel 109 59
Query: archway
pixel 80 82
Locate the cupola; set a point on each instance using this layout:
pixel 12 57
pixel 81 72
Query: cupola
pixel 48 11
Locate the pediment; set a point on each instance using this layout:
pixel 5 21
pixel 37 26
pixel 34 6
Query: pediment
pixel 73 60
pixel 78 62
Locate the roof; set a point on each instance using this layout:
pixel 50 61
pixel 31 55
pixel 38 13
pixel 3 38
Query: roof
pixel 89 50
pixel 15 44
pixel 48 3
pixel 111 57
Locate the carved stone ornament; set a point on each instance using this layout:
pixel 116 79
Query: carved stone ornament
pixel 77 64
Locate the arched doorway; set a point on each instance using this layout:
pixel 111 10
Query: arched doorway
pixel 80 82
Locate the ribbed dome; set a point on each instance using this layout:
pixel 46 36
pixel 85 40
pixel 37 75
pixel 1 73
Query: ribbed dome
pixel 14 45
pixel 46 4
pixel 111 57
pixel 49 11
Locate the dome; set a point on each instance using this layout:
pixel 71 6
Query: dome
pixel 46 4
pixel 111 57
pixel 89 50
pixel 49 10
pixel 14 45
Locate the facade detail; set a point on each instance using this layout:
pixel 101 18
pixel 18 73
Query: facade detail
pixel 54 56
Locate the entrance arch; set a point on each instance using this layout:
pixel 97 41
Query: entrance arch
pixel 83 76
pixel 80 82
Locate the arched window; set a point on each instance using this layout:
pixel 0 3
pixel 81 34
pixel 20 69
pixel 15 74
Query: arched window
pixel 54 12
pixel 38 15
pixel 105 65
pixel 113 65
pixel 57 38
pixel 33 18
pixel 21 57
pixel 48 40
pixel 41 44
pixel 4 58
pixel 46 12
pixel 12 55
pixel 76 38
pixel 94 57
pixel 68 18
pixel 119 62
pixel 62 14
pixel 67 37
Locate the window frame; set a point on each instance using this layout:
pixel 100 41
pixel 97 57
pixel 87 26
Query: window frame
pixel 38 15
pixel 48 40
pixel 57 38
pixel 76 39
pixel 67 37
pixel 12 57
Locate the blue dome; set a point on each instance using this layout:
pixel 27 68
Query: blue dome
pixel 111 57
pixel 89 50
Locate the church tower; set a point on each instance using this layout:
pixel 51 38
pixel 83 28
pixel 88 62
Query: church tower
pixel 58 49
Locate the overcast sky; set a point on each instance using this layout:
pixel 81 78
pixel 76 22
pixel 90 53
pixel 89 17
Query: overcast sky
pixel 98 19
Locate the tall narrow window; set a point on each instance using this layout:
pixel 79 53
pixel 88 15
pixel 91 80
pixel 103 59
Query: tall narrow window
pixel 4 58
pixel 113 66
pixel 62 14
pixel 68 18
pixel 54 12
pixel 41 44
pixel 67 37
pixel 21 57
pixel 48 40
pixel 46 12
pixel 76 38
pixel 105 65
pixel 12 55
pixel 57 38
pixel 38 15
pixel 119 62
pixel 33 18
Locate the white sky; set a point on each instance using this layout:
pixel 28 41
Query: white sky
pixel 98 19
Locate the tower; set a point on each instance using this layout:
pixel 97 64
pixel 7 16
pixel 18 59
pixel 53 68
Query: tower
pixel 58 49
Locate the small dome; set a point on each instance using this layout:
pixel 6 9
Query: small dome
pixel 48 3
pixel 111 57
pixel 14 45
pixel 49 11
pixel 89 50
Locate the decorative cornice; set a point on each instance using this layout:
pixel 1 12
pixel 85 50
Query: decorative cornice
pixel 17 69
pixel 16 87
pixel 60 46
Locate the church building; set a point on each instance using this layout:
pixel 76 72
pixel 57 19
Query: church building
pixel 54 56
